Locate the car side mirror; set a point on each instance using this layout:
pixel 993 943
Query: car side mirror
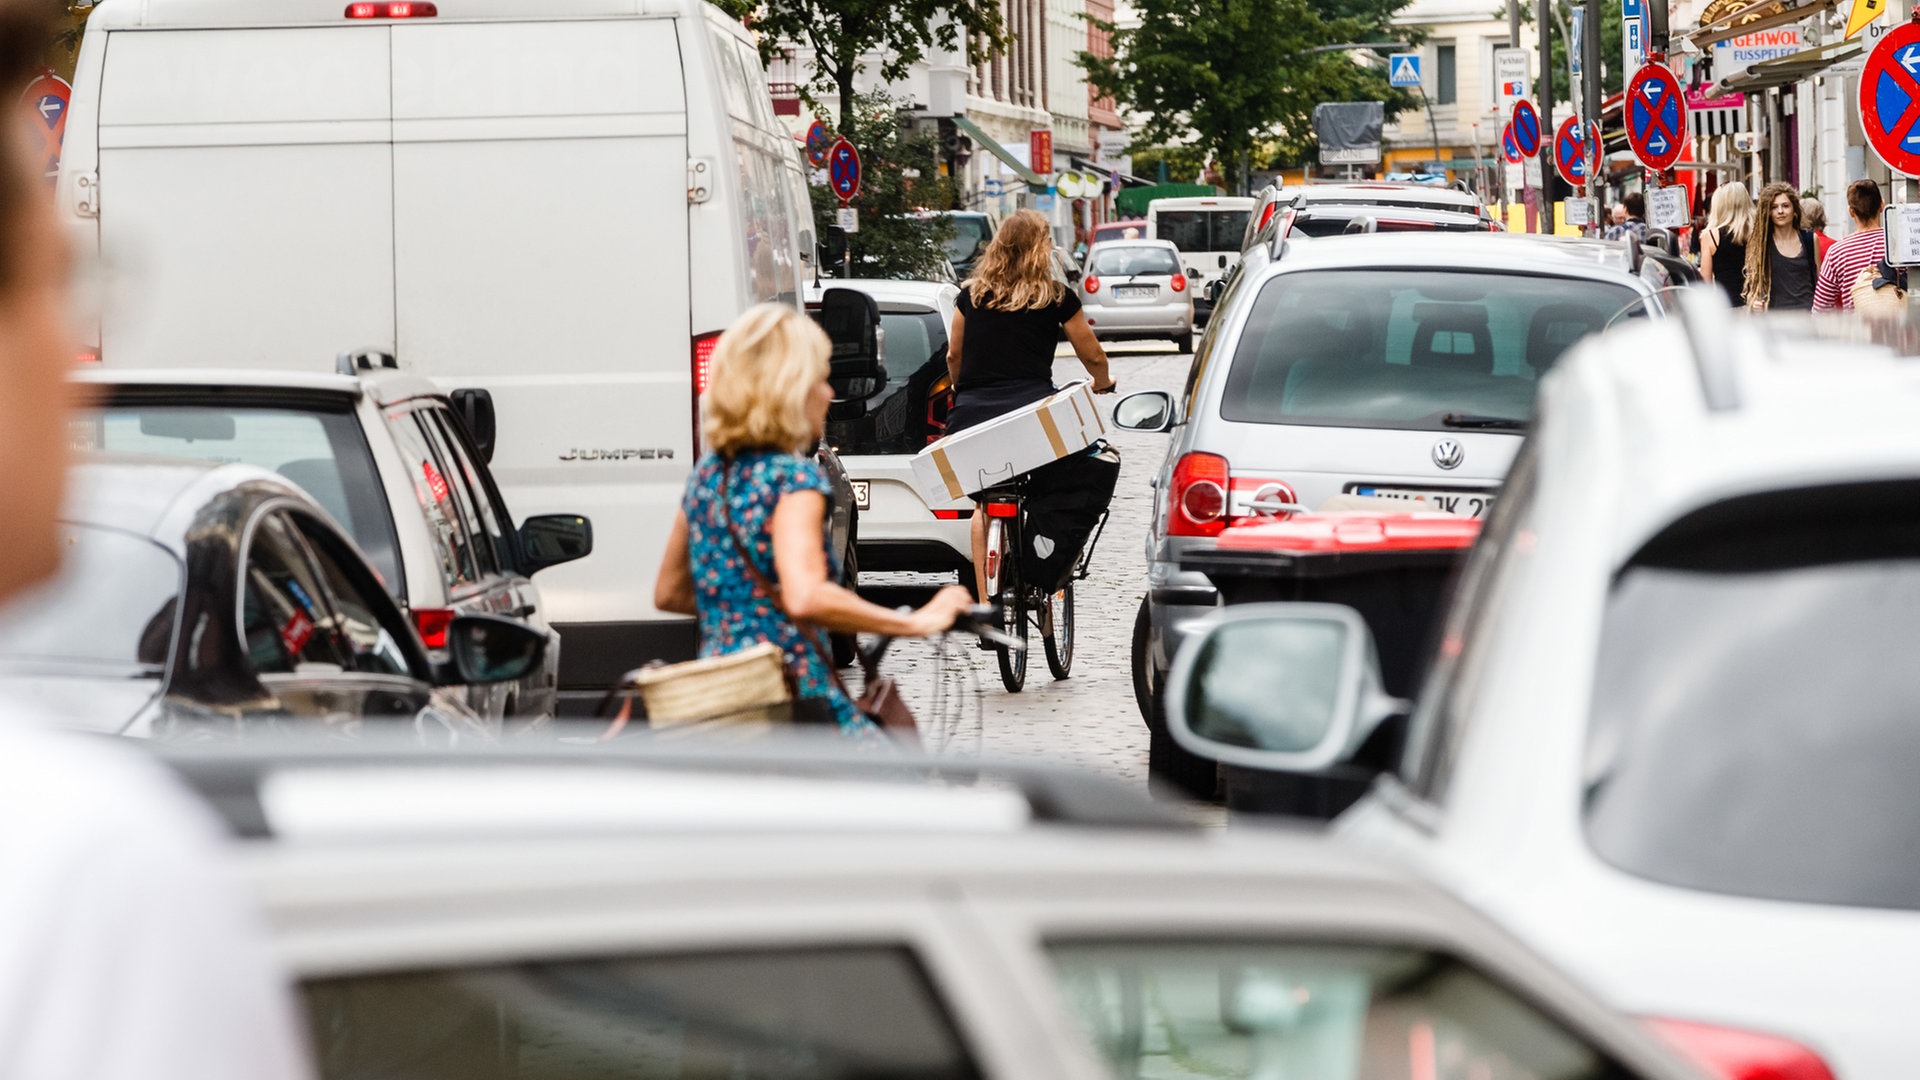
pixel 476 411
pixel 485 649
pixel 551 539
pixel 1193 274
pixel 1073 276
pixel 1290 687
pixel 1149 410
pixel 1215 289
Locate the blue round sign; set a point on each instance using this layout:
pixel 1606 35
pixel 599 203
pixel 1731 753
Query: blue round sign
pixel 843 169
pixel 1656 117
pixel 1508 147
pixel 1526 128
pixel 818 139
pixel 1571 147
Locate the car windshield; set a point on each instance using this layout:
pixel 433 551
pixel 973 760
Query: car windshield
pixel 322 451
pixel 1202 230
pixel 969 238
pixel 1754 709
pixel 113 608
pixel 1407 348
pixel 1133 261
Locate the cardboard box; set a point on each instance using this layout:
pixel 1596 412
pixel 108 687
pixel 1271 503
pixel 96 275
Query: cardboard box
pixel 1007 446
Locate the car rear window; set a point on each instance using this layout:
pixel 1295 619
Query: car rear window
pixel 1407 348
pixel 323 451
pixel 1202 230
pixel 1754 707
pixel 1324 223
pixel 113 607
pixel 1125 261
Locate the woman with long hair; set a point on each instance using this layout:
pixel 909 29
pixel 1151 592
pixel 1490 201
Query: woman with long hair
pixel 1000 351
pixel 1723 246
pixel 1782 261
pixel 748 553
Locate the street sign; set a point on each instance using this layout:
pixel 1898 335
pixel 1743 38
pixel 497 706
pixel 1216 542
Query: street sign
pixel 843 170
pixel 847 219
pixel 1526 128
pixel 1403 69
pixel 1508 146
pixel 1572 145
pixel 995 185
pixel 1579 213
pixel 818 140
pixel 1902 225
pixel 1633 40
pixel 1040 151
pixel 1576 36
pixel 1864 12
pixel 46 98
pixel 1890 98
pixel 1512 70
pixel 1656 117
pixel 1667 207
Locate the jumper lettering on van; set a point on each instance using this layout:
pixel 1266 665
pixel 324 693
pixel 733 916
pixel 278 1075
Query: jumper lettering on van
pixel 577 454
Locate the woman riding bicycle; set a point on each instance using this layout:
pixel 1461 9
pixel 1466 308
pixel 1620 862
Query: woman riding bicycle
pixel 1000 353
pixel 756 495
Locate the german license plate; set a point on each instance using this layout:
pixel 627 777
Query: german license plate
pixel 862 494
pixel 1135 292
pixel 1473 504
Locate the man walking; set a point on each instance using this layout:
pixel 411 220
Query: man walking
pixel 1634 221
pixel 1865 247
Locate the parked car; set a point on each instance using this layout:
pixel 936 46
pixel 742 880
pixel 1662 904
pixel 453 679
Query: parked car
pixel 972 232
pixel 1383 195
pixel 1123 229
pixel 389 176
pixel 603 914
pixel 207 601
pixel 1399 366
pixel 1134 289
pixel 1207 231
pixel 1667 736
pixel 392 459
pixel 1343 220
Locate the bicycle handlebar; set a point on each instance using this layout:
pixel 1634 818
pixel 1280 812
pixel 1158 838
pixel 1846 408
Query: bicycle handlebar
pixel 982 620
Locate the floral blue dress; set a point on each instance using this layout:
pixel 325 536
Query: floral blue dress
pixel 733 614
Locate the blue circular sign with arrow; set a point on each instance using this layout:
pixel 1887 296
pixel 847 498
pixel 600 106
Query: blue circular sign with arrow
pixel 843 169
pixel 1656 117
pixel 818 139
pixel 1526 128
pixel 1571 147
pixel 1508 146
pixel 1890 98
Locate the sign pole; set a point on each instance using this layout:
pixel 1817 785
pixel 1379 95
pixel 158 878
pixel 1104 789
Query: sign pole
pixel 1590 120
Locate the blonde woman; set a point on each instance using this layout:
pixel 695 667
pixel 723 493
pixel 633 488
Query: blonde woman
pixel 748 551
pixel 1782 262
pixel 1723 250
pixel 1000 351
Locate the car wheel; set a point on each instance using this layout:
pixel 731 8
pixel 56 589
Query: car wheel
pixel 1143 663
pixel 1172 766
pixel 1185 342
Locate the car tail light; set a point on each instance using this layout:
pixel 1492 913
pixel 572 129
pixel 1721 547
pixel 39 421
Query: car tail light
pixel 703 360
pixel 1741 1055
pixel 1179 283
pixel 1197 497
pixel 1003 510
pixel 939 404
pixel 951 515
pixel 432 624
pixel 398 9
pixel 1267 215
pixel 1090 283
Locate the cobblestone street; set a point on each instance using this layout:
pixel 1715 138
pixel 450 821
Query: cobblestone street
pixel 1091 718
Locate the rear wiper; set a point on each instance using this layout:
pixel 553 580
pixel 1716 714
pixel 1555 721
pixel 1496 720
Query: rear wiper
pixel 1489 423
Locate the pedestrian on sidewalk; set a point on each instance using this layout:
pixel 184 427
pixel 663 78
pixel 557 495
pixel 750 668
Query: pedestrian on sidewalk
pixel 748 552
pixel 1630 218
pixel 1723 250
pixel 1814 213
pixel 1862 250
pixel 1782 260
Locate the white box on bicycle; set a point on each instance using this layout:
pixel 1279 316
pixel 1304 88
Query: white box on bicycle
pixel 1009 446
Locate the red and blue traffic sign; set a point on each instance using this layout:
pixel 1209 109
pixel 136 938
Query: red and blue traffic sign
pixel 1508 146
pixel 818 140
pixel 1572 146
pixel 843 169
pixel 46 98
pixel 1890 98
pixel 1656 117
pixel 1526 127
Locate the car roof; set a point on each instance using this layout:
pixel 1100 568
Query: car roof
pixel 1352 211
pixel 154 497
pixel 1524 253
pixel 1387 192
pixel 384 385
pixel 888 291
pixel 212 13
pixel 1139 241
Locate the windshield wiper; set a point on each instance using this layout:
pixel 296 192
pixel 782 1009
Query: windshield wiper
pixel 1488 423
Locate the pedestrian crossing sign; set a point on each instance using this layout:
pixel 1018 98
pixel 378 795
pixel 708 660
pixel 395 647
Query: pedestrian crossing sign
pixel 1403 69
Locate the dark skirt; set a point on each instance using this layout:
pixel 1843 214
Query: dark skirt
pixel 978 404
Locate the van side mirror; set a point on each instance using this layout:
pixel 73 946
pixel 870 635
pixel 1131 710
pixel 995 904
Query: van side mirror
pixel 1149 410
pixel 1289 687
pixel 485 649
pixel 476 411
pixel 1223 262
pixel 551 539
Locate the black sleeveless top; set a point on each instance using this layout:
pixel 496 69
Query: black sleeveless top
pixel 1792 278
pixel 1730 266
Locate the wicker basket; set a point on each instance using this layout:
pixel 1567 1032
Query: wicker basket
pixel 750 684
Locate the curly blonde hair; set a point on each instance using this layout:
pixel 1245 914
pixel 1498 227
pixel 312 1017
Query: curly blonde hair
pixel 764 369
pixel 1016 273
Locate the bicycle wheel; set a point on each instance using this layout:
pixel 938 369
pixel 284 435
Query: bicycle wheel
pixel 1060 640
pixel 1013 599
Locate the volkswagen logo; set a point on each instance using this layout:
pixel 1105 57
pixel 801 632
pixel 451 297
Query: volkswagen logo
pixel 1448 453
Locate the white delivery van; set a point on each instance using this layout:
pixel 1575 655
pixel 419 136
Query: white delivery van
pixel 562 202
pixel 1207 229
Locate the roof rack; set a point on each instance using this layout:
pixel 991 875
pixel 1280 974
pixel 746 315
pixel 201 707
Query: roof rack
pixel 352 363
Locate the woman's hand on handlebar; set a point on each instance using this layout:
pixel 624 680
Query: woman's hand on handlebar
pixel 939 614
pixel 1108 387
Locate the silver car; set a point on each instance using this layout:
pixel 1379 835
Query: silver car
pixel 1133 289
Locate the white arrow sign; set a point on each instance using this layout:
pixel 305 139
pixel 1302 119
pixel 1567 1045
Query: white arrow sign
pixel 50 108
pixel 1652 90
pixel 1909 57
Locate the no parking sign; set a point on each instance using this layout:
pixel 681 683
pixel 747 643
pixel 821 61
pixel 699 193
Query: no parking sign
pixel 1526 128
pixel 1889 92
pixel 1572 146
pixel 46 98
pixel 1656 117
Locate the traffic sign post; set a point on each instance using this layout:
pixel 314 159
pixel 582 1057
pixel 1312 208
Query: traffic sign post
pixel 1656 117
pixel 1526 128
pixel 843 170
pixel 1890 98
pixel 819 139
pixel 1403 69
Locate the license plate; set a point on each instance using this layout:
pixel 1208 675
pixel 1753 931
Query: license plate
pixel 1135 292
pixel 1473 504
pixel 862 493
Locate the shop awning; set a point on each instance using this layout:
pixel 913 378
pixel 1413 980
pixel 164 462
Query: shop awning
pixel 986 142
pixel 1749 18
pixel 1782 70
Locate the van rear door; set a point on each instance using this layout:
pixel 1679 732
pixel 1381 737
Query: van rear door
pixel 252 177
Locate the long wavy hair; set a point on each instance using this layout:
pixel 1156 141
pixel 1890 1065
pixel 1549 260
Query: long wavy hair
pixel 1759 266
pixel 1016 273
pixel 1732 208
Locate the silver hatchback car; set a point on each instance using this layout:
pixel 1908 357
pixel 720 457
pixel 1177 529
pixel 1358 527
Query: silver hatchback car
pixel 1134 289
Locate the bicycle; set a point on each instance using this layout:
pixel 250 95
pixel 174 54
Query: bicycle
pixel 1029 607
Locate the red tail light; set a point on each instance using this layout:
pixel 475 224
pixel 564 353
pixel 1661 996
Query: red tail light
pixel 1090 283
pixel 1003 510
pixel 1179 283
pixel 398 9
pixel 703 360
pixel 952 515
pixel 1197 497
pixel 87 356
pixel 432 624
pixel 1267 215
pixel 1741 1055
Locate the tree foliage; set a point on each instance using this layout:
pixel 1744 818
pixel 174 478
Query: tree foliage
pixel 845 34
pixel 1612 43
pixel 891 242
pixel 1232 76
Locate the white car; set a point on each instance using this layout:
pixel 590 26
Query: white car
pixel 876 438
pixel 395 464
pixel 1669 735
pixel 1133 289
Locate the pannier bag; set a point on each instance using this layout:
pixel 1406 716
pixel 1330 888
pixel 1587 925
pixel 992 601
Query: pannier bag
pixel 1064 502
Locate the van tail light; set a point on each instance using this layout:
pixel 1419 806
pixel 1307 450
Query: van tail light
pixel 432 624
pixel 1197 496
pixel 397 9
pixel 1090 283
pixel 1179 283
pixel 1740 1055
pixel 87 356
pixel 703 360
